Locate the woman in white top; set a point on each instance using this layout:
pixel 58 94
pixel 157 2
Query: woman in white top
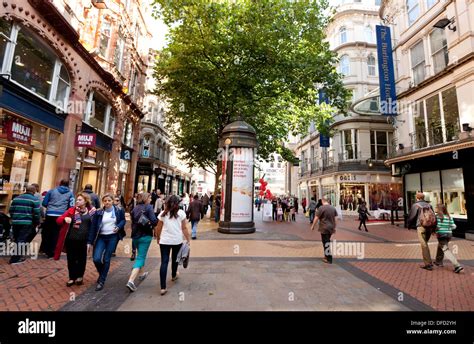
pixel 170 232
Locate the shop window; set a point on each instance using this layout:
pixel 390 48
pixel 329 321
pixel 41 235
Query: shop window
pixel 439 49
pixel 433 112
pixel 418 63
pixel 413 10
pixel 451 114
pixel 412 186
pixel 431 187
pixel 48 177
pixel 385 196
pixel 379 145
pixel 351 196
pixel 38 137
pixel 453 192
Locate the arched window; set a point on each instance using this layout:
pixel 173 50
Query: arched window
pixel 342 35
pixel 344 65
pixel 146 146
pixel 33 64
pixel 371 65
pixel 369 34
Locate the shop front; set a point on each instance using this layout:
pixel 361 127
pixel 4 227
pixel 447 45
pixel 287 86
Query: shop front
pixel 92 164
pixel 349 190
pixel 451 185
pixel 28 154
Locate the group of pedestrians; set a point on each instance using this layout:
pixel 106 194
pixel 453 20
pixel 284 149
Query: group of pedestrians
pixel 284 209
pixel 88 225
pixel 422 217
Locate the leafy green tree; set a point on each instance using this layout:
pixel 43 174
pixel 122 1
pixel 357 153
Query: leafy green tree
pixel 262 61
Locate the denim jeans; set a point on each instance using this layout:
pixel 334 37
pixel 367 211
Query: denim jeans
pixel 103 249
pixel 311 215
pixel 165 258
pixel 194 225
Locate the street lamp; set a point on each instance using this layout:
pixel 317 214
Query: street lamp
pixel 442 23
pixel 370 162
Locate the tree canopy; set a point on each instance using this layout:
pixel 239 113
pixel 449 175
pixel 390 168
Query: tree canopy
pixel 263 61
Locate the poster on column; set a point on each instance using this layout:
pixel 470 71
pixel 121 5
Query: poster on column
pixel 242 185
pixel 223 186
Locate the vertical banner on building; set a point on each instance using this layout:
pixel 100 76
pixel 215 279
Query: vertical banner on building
pixel 242 185
pixel 388 94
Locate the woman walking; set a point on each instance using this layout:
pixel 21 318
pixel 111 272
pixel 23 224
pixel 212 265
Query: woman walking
pixel 76 224
pixel 108 223
pixel 143 225
pixel 444 232
pixel 170 231
pixel 363 215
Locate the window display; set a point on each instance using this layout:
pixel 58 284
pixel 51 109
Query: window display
pixel 385 196
pixel 412 186
pixel 351 196
pixel 453 192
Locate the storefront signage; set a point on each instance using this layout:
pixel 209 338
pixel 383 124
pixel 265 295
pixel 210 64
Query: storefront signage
pixel 242 185
pixel 126 154
pixel 18 132
pixel 85 140
pixel 347 177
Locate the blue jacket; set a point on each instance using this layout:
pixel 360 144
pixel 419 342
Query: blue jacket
pixel 97 224
pixel 58 200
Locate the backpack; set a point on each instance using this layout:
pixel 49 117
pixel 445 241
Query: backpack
pixel 427 217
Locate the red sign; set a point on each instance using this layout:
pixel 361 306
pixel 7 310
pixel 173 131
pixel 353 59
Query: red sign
pixel 18 132
pixel 85 140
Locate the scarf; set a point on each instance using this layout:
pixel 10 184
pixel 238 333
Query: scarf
pixel 78 213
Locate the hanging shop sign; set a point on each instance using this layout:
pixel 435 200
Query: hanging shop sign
pixel 18 132
pixel 85 140
pixel 126 154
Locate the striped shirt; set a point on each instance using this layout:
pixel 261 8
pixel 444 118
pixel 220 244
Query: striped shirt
pixel 25 210
pixel 445 224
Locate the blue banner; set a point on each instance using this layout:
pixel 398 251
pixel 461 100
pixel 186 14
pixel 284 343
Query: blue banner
pixel 388 94
pixel 323 141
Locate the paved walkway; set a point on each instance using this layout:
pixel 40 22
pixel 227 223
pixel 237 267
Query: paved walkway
pixel 276 268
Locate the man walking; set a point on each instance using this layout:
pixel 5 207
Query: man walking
pixel 312 208
pixel 423 219
pixel 25 214
pixel 195 213
pixel 95 201
pixel 56 202
pixel 326 214
pixel 205 204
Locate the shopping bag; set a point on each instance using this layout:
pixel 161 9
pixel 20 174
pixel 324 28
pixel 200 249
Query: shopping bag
pixel 307 213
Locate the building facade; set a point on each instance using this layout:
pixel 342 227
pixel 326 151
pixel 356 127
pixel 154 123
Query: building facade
pixel 351 169
pixel 58 80
pixel 433 51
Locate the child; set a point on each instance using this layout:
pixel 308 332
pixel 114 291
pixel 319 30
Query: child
pixel 279 213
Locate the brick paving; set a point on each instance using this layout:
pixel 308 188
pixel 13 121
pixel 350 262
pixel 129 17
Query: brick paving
pixel 257 271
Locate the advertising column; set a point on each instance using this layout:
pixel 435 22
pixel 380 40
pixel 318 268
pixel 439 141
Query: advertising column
pixel 242 189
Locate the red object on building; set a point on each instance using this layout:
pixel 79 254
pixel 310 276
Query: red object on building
pixel 19 132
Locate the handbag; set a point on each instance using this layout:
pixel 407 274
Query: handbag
pixel 143 220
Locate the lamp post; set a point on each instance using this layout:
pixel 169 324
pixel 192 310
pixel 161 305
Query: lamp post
pixel 238 144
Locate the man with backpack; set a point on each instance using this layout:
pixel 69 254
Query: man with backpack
pixel 423 218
